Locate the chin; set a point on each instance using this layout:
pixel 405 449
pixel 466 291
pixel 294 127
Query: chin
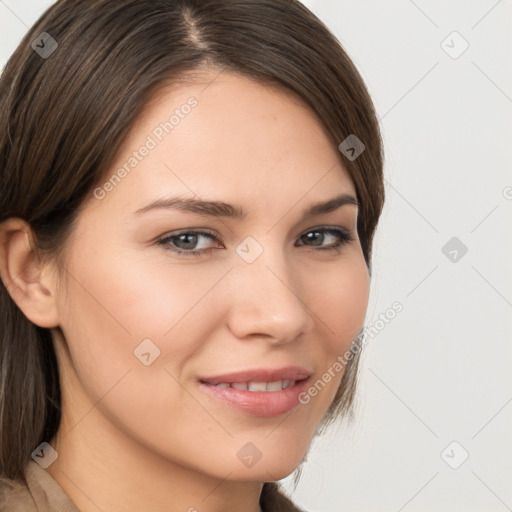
pixel 263 472
pixel 273 465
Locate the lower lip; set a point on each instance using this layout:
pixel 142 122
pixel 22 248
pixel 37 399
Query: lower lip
pixel 265 404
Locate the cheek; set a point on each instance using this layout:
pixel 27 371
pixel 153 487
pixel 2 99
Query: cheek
pixel 130 294
pixel 110 308
pixel 336 296
pixel 341 305
pixel 343 301
pixel 121 300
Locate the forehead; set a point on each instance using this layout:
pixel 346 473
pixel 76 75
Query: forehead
pixel 227 133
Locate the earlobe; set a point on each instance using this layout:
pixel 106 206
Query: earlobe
pixel 24 276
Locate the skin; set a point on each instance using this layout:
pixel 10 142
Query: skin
pixel 136 437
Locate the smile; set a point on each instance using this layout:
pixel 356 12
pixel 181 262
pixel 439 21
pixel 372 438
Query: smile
pixel 277 385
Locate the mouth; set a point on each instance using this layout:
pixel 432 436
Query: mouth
pixel 277 385
pixel 261 392
pixel 260 376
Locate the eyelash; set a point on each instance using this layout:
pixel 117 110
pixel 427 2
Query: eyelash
pixel 344 237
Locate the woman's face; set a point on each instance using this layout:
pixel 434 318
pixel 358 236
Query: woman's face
pixel 145 326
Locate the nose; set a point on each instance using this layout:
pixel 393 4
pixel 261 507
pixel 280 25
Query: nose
pixel 266 300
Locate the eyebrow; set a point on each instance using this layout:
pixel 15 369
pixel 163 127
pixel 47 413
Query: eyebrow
pixel 221 209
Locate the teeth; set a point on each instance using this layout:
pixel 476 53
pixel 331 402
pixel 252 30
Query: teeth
pixel 257 386
pixel 288 383
pixel 277 385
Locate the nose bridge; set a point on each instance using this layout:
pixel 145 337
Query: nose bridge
pixel 265 297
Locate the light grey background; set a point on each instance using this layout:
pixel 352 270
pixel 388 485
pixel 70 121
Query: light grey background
pixel 439 371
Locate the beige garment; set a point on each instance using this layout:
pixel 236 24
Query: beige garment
pixel 43 494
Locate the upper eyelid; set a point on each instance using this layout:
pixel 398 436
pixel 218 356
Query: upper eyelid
pixel 213 232
pixel 215 235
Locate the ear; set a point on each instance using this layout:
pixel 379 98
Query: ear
pixel 28 281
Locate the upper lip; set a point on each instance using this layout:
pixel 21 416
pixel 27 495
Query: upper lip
pixel 260 375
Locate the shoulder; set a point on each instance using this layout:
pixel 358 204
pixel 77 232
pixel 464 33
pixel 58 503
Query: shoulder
pixel 38 493
pixel 15 496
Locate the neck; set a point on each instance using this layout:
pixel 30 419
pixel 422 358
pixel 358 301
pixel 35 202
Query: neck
pixel 101 467
pixel 133 480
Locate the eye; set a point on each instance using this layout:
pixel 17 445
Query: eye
pixel 185 242
pixel 340 235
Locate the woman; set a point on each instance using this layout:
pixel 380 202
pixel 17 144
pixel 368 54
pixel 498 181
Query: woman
pixel 190 194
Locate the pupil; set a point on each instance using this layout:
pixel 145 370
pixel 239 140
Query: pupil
pixel 182 237
pixel 312 237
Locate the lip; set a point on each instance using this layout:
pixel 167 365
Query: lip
pixel 264 404
pixel 260 375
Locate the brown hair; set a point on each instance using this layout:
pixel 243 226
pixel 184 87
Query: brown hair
pixel 65 115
